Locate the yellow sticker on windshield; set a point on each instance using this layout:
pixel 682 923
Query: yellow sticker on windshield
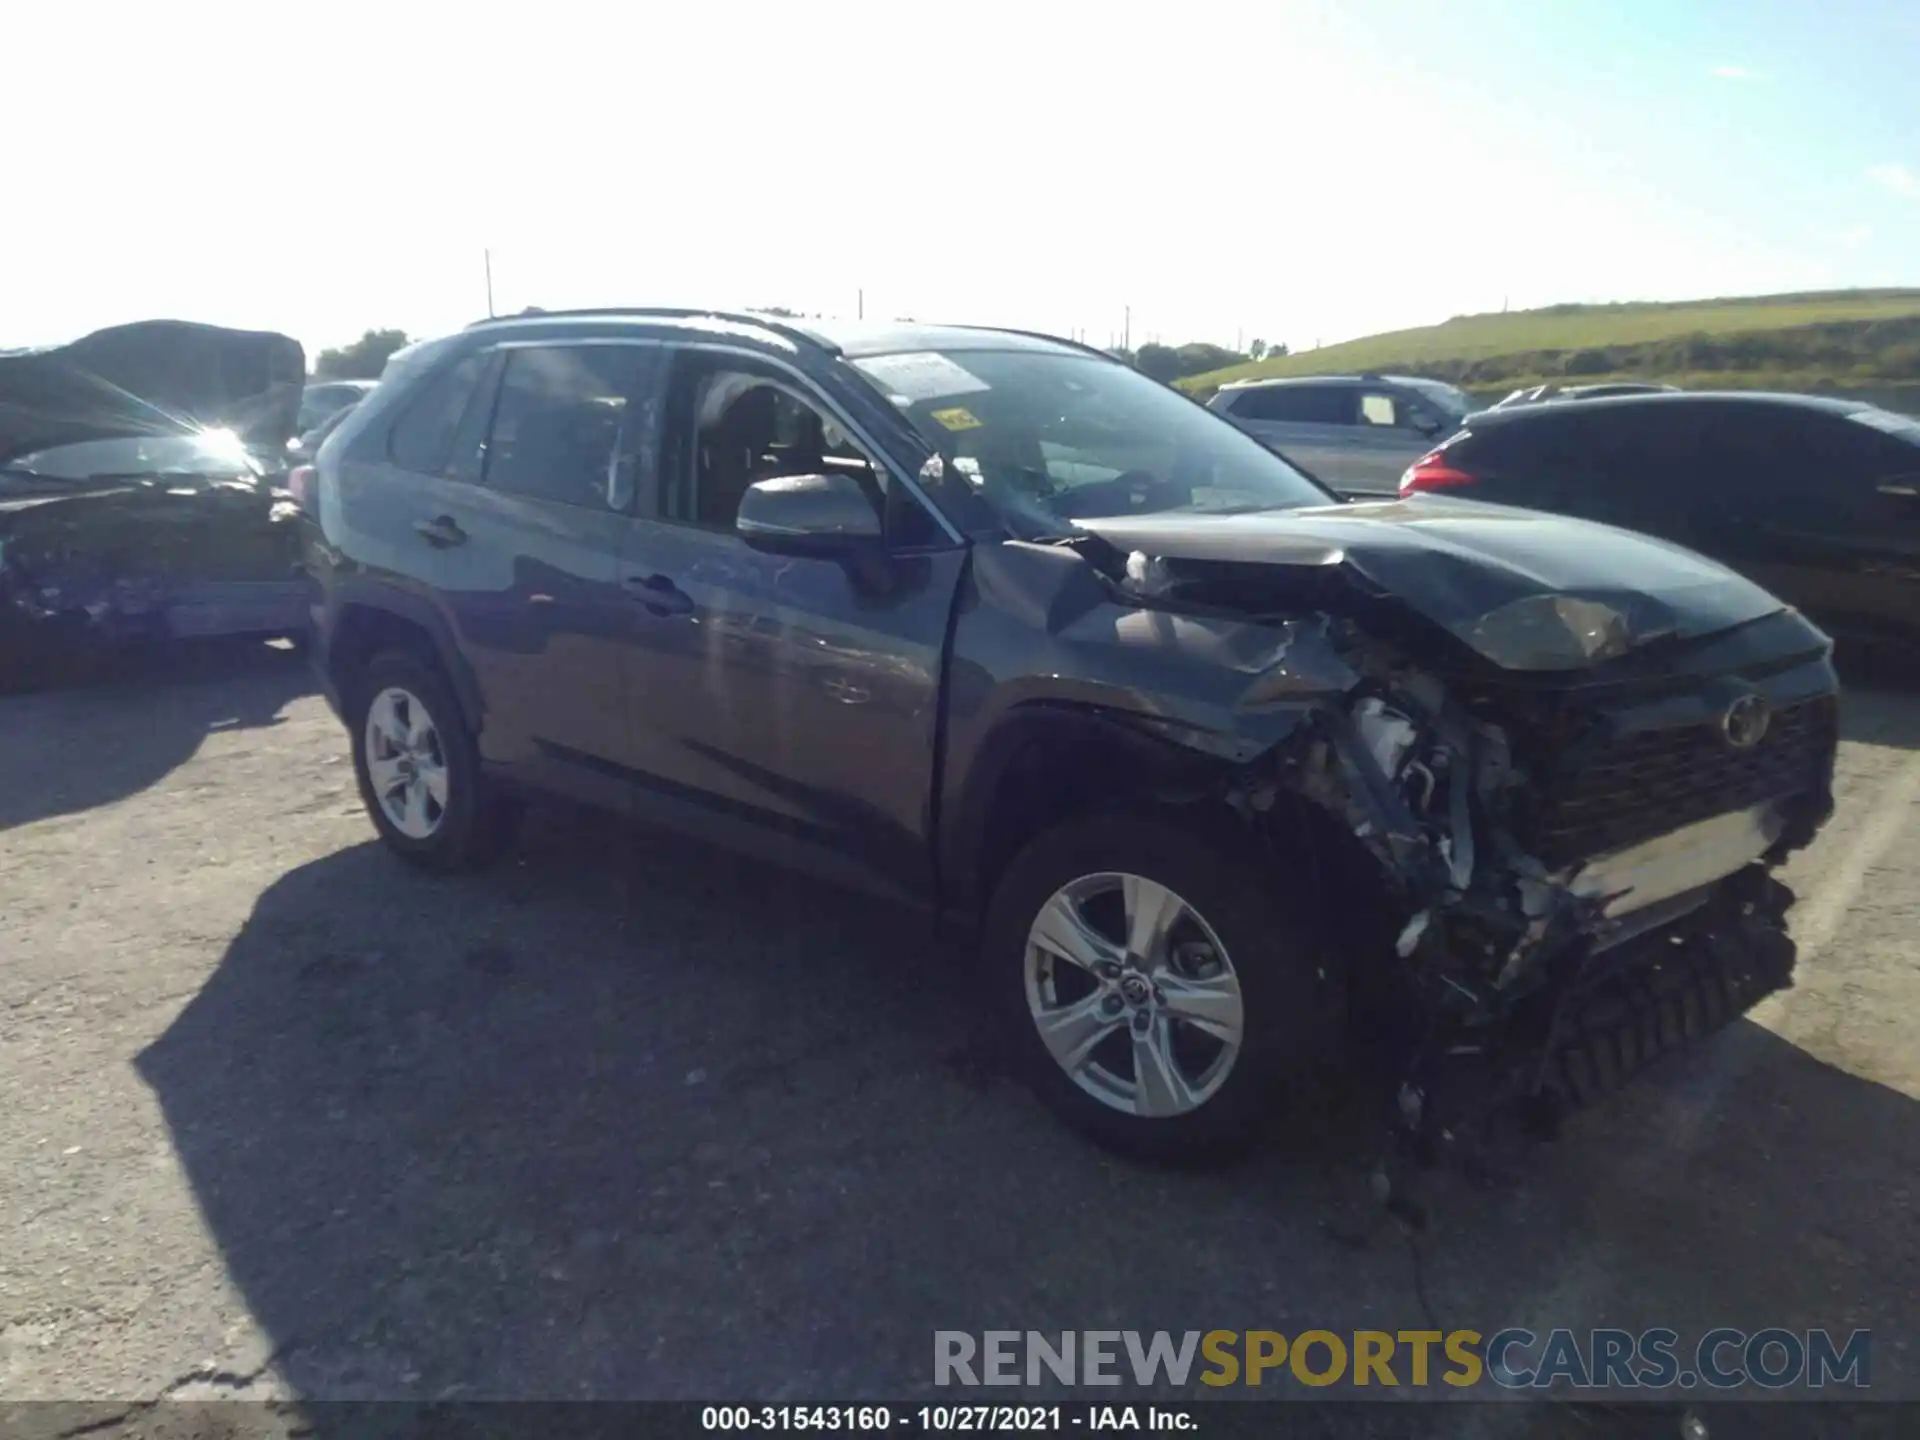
pixel 957 418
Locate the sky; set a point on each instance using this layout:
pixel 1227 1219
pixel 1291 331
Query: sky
pixel 1297 171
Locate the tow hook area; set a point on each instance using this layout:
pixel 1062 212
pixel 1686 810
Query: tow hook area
pixel 1476 1096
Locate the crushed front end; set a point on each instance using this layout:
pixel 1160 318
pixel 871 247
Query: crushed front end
pixel 1543 830
pixel 1568 873
pixel 138 497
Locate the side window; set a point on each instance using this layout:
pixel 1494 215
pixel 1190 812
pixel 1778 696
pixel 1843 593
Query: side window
pixel 1252 405
pixel 1820 466
pixel 1540 449
pixel 1299 404
pixel 1417 415
pixel 558 423
pixel 421 438
pixel 1377 408
pixel 732 424
pixel 1673 462
pixel 1865 454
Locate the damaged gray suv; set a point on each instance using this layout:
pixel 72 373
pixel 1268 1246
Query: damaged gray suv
pixel 1230 780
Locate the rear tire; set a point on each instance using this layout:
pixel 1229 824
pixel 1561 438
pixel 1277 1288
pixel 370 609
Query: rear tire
pixel 1208 986
pixel 419 769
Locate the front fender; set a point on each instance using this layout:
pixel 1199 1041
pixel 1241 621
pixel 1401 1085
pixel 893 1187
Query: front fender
pixel 1045 653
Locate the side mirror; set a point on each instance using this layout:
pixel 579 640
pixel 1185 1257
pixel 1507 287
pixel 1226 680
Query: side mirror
pixel 823 515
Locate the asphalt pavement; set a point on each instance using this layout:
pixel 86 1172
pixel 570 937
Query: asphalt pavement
pixel 628 1117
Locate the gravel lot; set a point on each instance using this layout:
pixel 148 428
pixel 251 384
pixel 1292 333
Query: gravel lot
pixel 628 1117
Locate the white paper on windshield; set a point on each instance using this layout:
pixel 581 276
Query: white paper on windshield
pixel 923 375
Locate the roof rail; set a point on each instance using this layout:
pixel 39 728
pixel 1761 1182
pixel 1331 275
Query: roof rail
pixel 673 312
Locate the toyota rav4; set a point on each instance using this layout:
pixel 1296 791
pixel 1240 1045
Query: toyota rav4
pixel 1229 779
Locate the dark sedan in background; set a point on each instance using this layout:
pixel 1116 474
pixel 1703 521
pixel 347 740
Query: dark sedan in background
pixel 1817 499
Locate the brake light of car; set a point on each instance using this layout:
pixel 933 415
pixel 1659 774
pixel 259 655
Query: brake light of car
pixel 300 486
pixel 1432 472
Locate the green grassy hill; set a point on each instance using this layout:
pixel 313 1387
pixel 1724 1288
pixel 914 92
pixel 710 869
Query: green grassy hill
pixel 1846 337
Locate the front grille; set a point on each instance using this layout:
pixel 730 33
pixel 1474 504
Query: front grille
pixel 1644 785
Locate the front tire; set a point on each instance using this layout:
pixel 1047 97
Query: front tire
pixel 419 769
pixel 1159 983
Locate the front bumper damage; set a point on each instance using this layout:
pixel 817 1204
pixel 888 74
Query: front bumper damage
pixel 86 575
pixel 1498 974
pixel 1471 1092
pixel 57 620
pixel 1541 855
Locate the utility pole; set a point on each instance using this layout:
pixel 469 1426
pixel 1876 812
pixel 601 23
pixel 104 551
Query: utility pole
pixel 1126 335
pixel 860 304
pixel 487 256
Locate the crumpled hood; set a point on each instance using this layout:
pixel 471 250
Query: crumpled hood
pixel 154 377
pixel 1526 590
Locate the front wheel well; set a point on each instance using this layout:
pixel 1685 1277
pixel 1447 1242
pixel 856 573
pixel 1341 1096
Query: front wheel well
pixel 1062 771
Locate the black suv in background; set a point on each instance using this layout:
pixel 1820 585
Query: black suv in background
pixel 1817 499
pixel 1225 775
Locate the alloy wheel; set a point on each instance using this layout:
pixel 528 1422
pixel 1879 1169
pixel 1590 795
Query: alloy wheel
pixel 1133 995
pixel 406 763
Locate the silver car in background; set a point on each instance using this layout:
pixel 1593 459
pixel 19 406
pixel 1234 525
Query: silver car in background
pixel 1357 433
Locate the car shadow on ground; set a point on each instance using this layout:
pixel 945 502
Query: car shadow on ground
pixel 68 748
pixel 632 1118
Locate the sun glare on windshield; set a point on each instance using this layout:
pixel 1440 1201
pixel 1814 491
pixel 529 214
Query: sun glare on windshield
pixel 224 443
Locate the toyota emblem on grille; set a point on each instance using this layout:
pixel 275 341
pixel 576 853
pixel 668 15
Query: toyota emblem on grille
pixel 1745 723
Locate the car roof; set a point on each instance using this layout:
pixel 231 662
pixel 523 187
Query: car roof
pixel 1364 378
pixel 858 339
pixel 853 339
pixel 1670 399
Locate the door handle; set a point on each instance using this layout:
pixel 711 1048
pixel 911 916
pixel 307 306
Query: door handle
pixel 659 594
pixel 440 532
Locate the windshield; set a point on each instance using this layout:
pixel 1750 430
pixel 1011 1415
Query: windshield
pixel 216 452
pixel 1044 439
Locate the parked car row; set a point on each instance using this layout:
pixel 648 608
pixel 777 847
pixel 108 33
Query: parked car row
pixel 1817 499
pixel 1230 779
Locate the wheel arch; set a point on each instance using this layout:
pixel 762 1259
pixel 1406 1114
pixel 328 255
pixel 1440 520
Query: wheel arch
pixel 1047 762
pixel 369 620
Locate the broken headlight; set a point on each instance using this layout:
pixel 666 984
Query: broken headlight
pixel 1550 632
